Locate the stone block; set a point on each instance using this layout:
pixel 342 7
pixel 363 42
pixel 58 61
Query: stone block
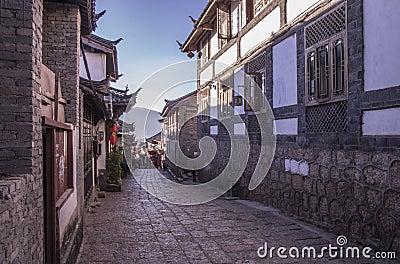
pixel 375 176
pixel 392 201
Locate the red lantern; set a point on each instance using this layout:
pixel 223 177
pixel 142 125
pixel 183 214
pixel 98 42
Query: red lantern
pixel 114 128
pixel 113 139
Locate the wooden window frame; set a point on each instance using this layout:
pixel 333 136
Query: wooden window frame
pixel 260 83
pixel 225 100
pixel 314 96
pixel 205 104
pixel 224 24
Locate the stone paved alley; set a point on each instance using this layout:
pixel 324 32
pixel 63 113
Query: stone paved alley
pixel 134 227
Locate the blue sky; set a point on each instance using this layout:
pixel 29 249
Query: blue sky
pixel 150 30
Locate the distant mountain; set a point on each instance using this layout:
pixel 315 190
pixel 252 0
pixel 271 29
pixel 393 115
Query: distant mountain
pixel 146 122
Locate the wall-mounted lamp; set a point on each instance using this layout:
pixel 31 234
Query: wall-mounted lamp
pixel 190 54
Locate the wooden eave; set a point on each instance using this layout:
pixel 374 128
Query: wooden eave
pixel 207 16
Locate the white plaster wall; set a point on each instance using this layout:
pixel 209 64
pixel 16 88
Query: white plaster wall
pixel 97 66
pixel 235 19
pixel 286 126
pixel 382 42
pixel 213 130
pixel 285 73
pixel 261 32
pixel 207 74
pixel 101 162
pixel 228 58
pixel 385 122
pixel 214 44
pixel 67 211
pixel 296 7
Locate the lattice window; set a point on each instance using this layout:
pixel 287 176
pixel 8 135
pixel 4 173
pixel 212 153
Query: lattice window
pixel 326 58
pixel 327 118
pixel 257 64
pixel 327 26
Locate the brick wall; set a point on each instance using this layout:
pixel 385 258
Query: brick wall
pixel 61 49
pixel 21 196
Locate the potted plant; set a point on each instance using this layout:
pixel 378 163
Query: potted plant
pixel 114 171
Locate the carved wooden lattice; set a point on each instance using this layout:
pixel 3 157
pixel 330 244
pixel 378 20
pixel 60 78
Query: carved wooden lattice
pixel 327 118
pixel 257 64
pixel 327 26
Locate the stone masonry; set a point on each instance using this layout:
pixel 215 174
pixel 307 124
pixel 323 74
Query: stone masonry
pixel 352 181
pixel 21 201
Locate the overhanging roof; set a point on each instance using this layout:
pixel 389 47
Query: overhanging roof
pixel 206 17
pixel 170 104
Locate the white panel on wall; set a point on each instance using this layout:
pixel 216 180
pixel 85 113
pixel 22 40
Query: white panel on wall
pixel 206 75
pixel 260 32
pixel 286 126
pixel 382 42
pixel 228 58
pixel 296 7
pixel 239 129
pixel 285 73
pixel 213 130
pixel 385 122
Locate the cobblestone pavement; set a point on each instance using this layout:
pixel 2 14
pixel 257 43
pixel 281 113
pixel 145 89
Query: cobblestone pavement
pixel 134 227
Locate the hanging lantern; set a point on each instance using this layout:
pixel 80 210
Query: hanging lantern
pixel 113 139
pixel 114 129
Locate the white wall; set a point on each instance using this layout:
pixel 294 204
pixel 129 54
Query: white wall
pixel 382 42
pixel 67 212
pixel 285 73
pixel 286 126
pixel 384 122
pixel 207 74
pixel 97 66
pixel 228 58
pixel 296 7
pixel 261 32
pixel 214 46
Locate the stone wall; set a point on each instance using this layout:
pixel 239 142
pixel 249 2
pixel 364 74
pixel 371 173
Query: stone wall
pixel 349 192
pixel 21 220
pixel 21 196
